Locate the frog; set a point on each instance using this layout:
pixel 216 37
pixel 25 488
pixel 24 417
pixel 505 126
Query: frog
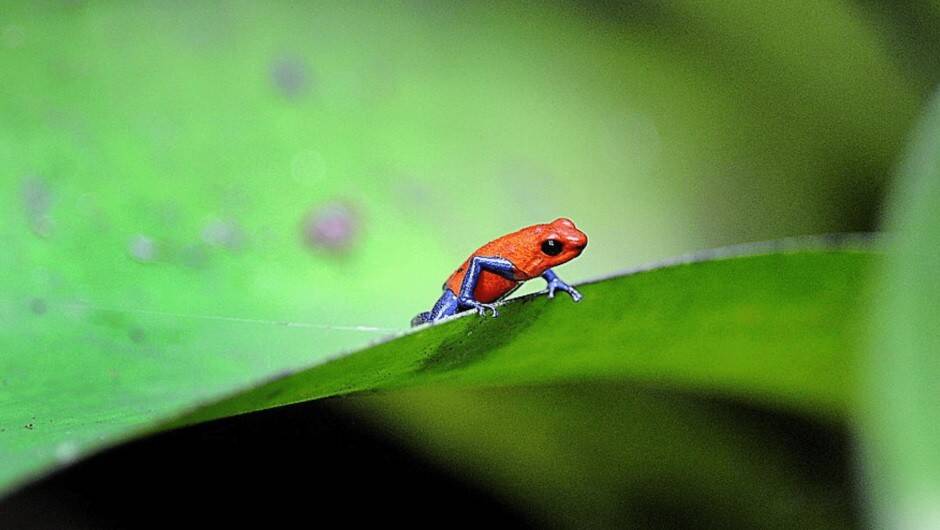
pixel 493 271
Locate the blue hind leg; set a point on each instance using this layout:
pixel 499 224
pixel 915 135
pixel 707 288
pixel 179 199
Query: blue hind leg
pixel 446 306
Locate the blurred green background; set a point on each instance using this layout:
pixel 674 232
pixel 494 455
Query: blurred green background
pixel 331 163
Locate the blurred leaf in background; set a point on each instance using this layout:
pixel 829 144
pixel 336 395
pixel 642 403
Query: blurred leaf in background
pixel 903 390
pixel 630 456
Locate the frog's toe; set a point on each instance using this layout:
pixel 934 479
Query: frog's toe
pixel 483 307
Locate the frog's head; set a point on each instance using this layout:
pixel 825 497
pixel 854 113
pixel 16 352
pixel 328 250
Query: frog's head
pixel 560 241
pixel 537 248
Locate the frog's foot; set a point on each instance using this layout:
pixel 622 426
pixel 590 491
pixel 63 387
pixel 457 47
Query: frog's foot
pixel 558 285
pixel 421 318
pixel 480 308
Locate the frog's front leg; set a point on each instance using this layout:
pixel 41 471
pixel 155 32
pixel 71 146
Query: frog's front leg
pixel 477 265
pixel 556 283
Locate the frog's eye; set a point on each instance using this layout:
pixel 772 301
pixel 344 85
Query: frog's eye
pixel 552 247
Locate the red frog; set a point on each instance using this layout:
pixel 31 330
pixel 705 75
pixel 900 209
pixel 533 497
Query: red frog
pixel 499 267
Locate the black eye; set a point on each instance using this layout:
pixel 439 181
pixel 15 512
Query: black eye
pixel 552 247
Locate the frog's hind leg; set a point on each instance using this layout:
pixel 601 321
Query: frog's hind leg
pixel 446 306
pixel 420 318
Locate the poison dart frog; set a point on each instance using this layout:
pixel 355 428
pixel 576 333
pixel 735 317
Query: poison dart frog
pixel 499 267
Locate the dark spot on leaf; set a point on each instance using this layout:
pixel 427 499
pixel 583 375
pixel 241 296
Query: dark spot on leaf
pixel 411 194
pixel 290 76
pixel 29 426
pixel 137 335
pixel 37 204
pixel 226 233
pixel 195 256
pixel 115 320
pixel 142 248
pixel 38 306
pixel 332 227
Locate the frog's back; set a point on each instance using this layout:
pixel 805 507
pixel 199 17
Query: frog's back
pixel 491 286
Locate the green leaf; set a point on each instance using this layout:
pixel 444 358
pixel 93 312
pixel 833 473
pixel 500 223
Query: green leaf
pixel 904 371
pixel 775 328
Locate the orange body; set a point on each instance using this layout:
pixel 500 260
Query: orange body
pixel 523 249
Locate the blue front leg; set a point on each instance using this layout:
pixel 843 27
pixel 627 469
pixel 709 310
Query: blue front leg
pixel 449 303
pixel 556 283
pixel 478 264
